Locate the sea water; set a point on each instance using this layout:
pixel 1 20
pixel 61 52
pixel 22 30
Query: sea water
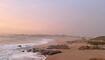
pixel 12 51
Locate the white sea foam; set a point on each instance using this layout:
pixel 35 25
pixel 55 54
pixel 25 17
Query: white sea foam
pixel 11 52
pixel 27 56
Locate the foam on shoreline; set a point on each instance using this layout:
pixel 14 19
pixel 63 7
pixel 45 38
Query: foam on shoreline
pixel 27 56
pixel 10 51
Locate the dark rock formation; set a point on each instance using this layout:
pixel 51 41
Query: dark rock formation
pixel 50 52
pixel 91 48
pixel 58 47
pixel 44 51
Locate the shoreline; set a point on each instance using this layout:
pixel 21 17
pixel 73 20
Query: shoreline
pixel 69 54
pixel 7 47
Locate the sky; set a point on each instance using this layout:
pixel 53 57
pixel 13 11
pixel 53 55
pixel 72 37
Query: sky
pixel 74 17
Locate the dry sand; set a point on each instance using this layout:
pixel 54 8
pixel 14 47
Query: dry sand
pixel 75 54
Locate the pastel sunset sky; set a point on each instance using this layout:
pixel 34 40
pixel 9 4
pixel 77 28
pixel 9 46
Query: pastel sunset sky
pixel 74 17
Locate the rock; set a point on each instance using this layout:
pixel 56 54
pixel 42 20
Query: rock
pixel 58 47
pixel 84 48
pixel 20 46
pixel 91 48
pixel 50 52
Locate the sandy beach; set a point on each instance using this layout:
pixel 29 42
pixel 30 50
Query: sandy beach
pixel 75 54
pixel 67 54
